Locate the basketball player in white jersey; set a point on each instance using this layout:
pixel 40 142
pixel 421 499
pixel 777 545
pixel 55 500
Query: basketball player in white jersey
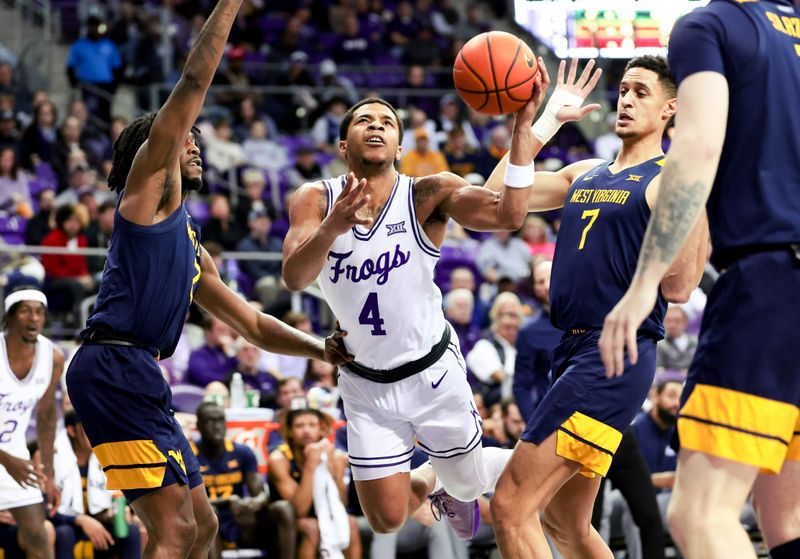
pixel 30 368
pixel 371 238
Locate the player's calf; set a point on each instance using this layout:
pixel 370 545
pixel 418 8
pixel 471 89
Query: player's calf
pixel 32 532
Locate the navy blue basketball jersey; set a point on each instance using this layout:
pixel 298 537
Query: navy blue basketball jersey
pixel 602 227
pixel 755 200
pixel 149 280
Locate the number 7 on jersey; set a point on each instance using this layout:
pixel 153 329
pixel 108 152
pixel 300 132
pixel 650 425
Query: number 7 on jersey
pixel 371 315
pixel 590 214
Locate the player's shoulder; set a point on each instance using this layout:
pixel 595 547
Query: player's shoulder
pixel 242 450
pixel 313 193
pixel 575 170
pixel 436 186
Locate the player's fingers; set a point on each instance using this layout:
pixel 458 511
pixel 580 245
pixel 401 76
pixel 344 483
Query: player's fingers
pixel 604 346
pixel 587 71
pixel 633 346
pixel 590 85
pixel 619 349
pixel 545 75
pixel 356 205
pixel 339 331
pixel 349 184
pixel 586 109
pixel 560 76
pixel 573 69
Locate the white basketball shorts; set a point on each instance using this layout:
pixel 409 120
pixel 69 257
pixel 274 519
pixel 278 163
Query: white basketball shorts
pixel 433 408
pixel 13 495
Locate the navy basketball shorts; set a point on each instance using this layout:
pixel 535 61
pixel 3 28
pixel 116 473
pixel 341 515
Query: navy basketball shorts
pixel 743 391
pixel 124 403
pixel 588 411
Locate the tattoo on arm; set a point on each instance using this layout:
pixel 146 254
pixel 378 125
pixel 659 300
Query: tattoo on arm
pixel 676 210
pixel 424 189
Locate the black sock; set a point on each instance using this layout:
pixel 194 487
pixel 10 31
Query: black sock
pixel 788 550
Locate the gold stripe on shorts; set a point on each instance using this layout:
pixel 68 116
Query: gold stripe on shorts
pixel 132 464
pixel 737 426
pixel 588 441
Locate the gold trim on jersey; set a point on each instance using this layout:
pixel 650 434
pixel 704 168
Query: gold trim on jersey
pixel 793 453
pixel 589 442
pixel 738 426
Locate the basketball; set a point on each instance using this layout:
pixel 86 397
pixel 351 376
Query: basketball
pixel 494 73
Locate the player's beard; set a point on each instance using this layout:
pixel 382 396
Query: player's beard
pixel 189 184
pixel 667 416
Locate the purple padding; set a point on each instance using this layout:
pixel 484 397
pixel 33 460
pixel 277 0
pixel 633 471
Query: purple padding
pixel 447 264
pixel 186 397
pixel 198 210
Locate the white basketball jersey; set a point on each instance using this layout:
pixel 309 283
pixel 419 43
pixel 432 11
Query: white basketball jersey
pixel 19 397
pixel 379 283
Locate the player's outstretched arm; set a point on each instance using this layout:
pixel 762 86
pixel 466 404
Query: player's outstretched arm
pixel 46 430
pixel 685 185
pixel 686 271
pixel 565 105
pixel 311 233
pixel 263 330
pixel 156 166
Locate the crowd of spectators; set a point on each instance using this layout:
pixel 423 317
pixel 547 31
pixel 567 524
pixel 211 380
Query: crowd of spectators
pixel 257 149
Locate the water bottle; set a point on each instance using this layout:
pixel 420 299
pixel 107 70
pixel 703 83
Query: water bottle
pixel 118 504
pixel 238 397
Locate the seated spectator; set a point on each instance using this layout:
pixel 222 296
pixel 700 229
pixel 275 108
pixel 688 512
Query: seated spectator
pixel 67 280
pixel 423 50
pixel 402 28
pixel 293 467
pixel 38 143
pixel 15 198
pixel 458 306
pixel 236 491
pixel 418 119
pixel 461 158
pixel 70 139
pixel 325 131
pixel 676 350
pixel 306 167
pixel 262 151
pixel 235 77
pixel 504 255
pixel 253 183
pixel 222 153
pixel 534 233
pixel 265 273
pixel 498 145
pixel 508 426
pixel 353 47
pixel 246 116
pixel 320 374
pixel 535 344
pixel 463 278
pixel 417 79
pixel 82 179
pixel 221 228
pixel 248 358
pixel 292 365
pixel 491 361
pixel 9 131
pixel 300 81
pixel 335 84
pixel 86 508
pixel 291 395
pixel 421 161
pixel 44 220
pixel 215 359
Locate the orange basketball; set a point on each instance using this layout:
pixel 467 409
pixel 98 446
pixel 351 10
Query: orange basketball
pixel 494 73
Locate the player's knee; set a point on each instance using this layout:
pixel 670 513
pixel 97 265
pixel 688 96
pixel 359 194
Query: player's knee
pixel 308 529
pixel 207 527
pixel 176 537
pixel 387 520
pixel 33 537
pixel 505 501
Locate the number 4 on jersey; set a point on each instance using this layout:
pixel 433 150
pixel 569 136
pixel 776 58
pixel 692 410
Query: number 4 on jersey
pixel 371 315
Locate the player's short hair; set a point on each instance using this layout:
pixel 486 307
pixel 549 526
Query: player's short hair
pixel 659 65
pixel 202 408
pixel 126 147
pixel 348 116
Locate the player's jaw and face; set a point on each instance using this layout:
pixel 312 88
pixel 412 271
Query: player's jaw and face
pixel 373 138
pixel 191 165
pixel 211 425
pixel 27 321
pixel 643 107
pixel 306 429
pixel 668 402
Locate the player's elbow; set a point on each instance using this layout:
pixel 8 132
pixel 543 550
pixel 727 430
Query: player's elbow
pixel 676 292
pixel 293 281
pixel 513 221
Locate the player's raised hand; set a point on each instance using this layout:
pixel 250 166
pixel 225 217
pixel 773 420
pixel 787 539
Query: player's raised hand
pixel 344 213
pixel 620 328
pixel 22 471
pixel 574 92
pixel 541 84
pixel 335 351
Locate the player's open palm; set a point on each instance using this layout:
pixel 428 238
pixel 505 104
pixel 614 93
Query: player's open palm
pixel 23 472
pixel 346 208
pixel 570 92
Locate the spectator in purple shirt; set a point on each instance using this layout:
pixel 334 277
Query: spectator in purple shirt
pixel 353 47
pixel 213 360
pixel 247 360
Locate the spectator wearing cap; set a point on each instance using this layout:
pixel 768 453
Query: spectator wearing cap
pixel 306 167
pixel 15 196
pixel 335 85
pixel 234 76
pixel 421 161
pixel 265 273
pixel 676 350
pixel 325 131
pixel 94 63
pixel 67 279
pixel 9 132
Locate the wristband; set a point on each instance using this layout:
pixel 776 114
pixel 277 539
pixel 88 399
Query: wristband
pixel 519 176
pixel 547 125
